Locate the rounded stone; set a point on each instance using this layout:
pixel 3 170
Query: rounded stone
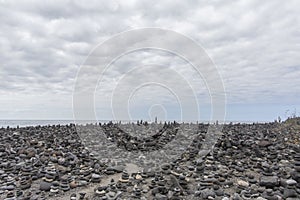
pixel 45 186
pixel 242 183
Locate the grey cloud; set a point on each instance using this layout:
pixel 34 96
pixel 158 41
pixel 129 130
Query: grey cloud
pixel 255 45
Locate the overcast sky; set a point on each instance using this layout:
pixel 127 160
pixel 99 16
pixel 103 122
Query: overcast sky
pixel 254 44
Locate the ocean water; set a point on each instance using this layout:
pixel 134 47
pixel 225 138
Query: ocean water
pixel 23 123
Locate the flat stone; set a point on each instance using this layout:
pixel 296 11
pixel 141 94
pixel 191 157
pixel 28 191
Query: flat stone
pixel 82 183
pixel 264 143
pixel 225 198
pixel 260 198
pixel 291 182
pixel 8 187
pixel 161 197
pixel 118 168
pixel 289 193
pixel 243 183
pixel 111 194
pixel 269 181
pixel 96 176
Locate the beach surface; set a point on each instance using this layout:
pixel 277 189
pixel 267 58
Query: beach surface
pixel 112 161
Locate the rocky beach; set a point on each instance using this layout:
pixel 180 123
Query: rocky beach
pixel 248 161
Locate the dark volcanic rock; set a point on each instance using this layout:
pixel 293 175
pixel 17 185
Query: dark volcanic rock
pixel 269 181
pixel 248 161
pixel 45 186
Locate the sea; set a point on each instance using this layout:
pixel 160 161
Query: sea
pixel 24 123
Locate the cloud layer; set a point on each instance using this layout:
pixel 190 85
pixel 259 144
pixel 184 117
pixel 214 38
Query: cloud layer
pixel 255 45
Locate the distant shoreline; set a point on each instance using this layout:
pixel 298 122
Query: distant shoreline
pixel 25 123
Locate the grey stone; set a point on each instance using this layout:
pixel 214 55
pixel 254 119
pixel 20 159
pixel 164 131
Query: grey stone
pixel 161 197
pixel 269 181
pixel 242 183
pixel 207 193
pixel 45 186
pixel 291 182
pixel 289 193
pixel 118 168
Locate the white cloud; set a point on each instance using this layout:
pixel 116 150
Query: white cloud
pixel 255 45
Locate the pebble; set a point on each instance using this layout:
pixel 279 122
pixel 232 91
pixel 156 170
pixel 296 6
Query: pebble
pixel 96 178
pixel 269 181
pixel 249 161
pixel 243 184
pixel 45 186
pixel 73 197
pixel 289 193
